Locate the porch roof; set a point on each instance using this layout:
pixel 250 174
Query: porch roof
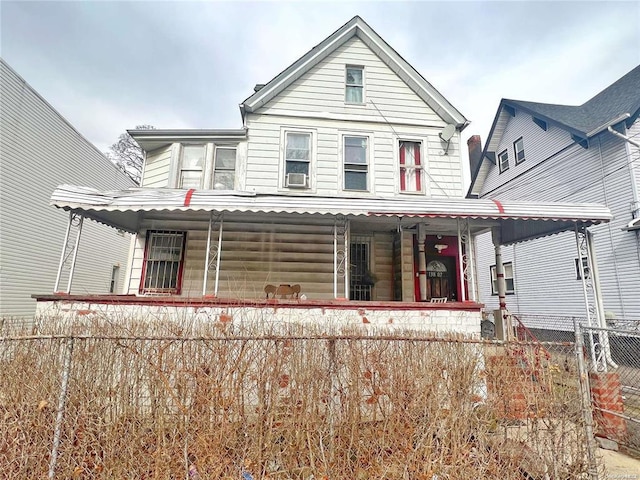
pixel 519 221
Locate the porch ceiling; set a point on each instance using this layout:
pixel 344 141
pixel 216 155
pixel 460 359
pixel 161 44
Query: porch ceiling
pixel 519 220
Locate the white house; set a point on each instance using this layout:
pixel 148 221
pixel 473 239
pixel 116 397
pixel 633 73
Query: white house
pixel 586 153
pixel 342 192
pixel 40 150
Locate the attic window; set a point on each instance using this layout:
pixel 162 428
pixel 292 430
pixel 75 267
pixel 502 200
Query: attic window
pixel 518 150
pixel 503 161
pixel 354 85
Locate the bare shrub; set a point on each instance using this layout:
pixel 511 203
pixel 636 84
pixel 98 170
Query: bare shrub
pixel 159 399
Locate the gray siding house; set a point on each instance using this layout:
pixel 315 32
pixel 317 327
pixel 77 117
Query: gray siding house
pixel 40 150
pixel 587 153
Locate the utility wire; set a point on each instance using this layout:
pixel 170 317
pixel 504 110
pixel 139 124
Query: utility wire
pixel 396 134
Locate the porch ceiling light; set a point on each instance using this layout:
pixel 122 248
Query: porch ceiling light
pixel 440 247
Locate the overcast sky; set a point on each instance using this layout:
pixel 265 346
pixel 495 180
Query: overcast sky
pixel 109 66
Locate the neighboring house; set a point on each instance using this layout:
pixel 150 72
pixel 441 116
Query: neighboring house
pixel 586 153
pixel 39 150
pixel 343 192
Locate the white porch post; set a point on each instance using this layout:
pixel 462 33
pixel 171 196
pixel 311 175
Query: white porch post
pixel 347 269
pixel 340 254
pixel 218 256
pixel 463 294
pixel 502 286
pixel 63 254
pixel 206 257
pixel 75 254
pixel 471 264
pixel 422 262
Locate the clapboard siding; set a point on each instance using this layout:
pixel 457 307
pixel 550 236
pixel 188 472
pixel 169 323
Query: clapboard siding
pixel 544 269
pixel 264 163
pixel 41 150
pixel 322 90
pixel 540 146
pixel 157 168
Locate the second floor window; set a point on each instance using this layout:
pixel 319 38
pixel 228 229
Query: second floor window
pixel 356 165
pixel 354 85
pixel 191 166
pixel 411 180
pixel 224 169
pixel 503 161
pixel 297 158
pixel 518 150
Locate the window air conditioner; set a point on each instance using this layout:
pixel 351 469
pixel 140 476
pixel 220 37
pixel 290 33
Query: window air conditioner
pixel 298 180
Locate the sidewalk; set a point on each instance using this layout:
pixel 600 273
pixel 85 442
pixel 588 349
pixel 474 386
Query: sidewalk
pixel 619 466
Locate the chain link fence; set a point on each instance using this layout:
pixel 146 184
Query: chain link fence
pixel 614 364
pixel 165 401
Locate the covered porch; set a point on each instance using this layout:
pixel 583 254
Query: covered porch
pixel 211 248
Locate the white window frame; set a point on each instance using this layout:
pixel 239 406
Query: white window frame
pixel 516 151
pixel 508 276
pixel 344 163
pixel 216 169
pixel 202 170
pixel 585 266
pixel 503 161
pixel 348 85
pixel 282 185
pixel 421 167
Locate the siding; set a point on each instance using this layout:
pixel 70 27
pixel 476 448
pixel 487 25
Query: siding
pixel 254 254
pixel 545 274
pixel 157 168
pixel 315 102
pixel 321 91
pixel 40 150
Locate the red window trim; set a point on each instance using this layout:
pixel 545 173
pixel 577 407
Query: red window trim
pixel 403 169
pixel 174 291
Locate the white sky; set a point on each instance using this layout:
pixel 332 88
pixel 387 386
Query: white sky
pixel 109 66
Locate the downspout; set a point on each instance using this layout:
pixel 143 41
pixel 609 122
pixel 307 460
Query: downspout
pixel 635 212
pixel 613 250
pixel 595 277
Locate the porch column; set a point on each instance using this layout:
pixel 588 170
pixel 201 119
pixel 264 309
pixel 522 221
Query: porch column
pixel 461 266
pixel 212 257
pixel 69 250
pixel 502 286
pixel 422 262
pixel 340 254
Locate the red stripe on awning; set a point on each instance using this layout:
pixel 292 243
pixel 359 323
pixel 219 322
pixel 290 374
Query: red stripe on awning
pixel 500 207
pixel 187 197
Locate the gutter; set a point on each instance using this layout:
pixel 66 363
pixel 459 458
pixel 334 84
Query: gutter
pixel 607 125
pixel 623 137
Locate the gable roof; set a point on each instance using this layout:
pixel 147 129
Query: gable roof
pixel 618 102
pixel 357 27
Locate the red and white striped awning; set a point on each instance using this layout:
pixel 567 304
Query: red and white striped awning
pixel 121 209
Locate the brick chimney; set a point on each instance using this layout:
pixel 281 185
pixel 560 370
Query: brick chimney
pixel 475 152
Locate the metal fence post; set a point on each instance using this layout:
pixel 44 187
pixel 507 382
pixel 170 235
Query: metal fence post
pixel 585 397
pixel 62 399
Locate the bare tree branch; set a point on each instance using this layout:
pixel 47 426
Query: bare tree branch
pixel 127 154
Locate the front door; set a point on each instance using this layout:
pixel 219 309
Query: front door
pixel 441 277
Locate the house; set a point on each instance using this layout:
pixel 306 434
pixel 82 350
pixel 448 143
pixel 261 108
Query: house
pixel 341 196
pixel 40 150
pixel 586 153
